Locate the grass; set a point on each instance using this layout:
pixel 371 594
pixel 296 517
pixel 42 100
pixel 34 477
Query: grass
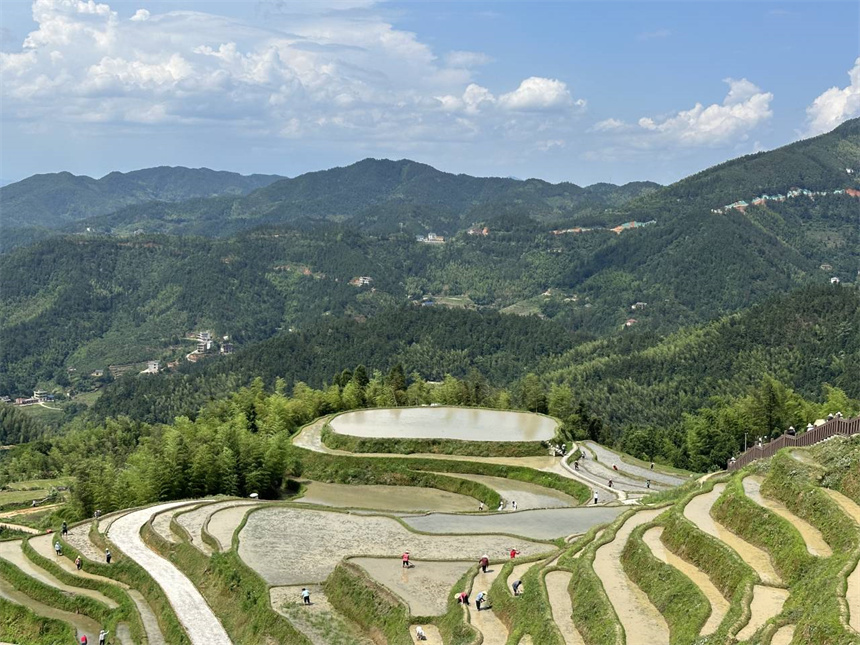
pixel 12 498
pixel 678 599
pixel 236 594
pixel 453 629
pixel 20 625
pixel 125 613
pixel 403 446
pixel 31 484
pixel 366 603
pixel 529 613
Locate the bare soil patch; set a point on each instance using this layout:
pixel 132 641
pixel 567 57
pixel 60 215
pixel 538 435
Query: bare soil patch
pixel 815 543
pixel 425 587
pixel 783 635
pixel 289 546
pixel 387 498
pixel 643 623
pixel 698 511
pixel 319 621
pixel 431 632
pixel 78 538
pixel 766 603
pixel 719 605
pixel 557 583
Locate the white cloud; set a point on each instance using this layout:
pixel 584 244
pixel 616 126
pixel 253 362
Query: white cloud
pixel 312 70
pixel 835 105
pixel 745 107
pixel 467 59
pixel 537 93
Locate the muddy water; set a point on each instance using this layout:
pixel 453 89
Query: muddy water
pixel 852 593
pixel 11 552
pixel 161 525
pixel 642 623
pixel 815 543
pixel 387 498
pixel 319 621
pixel 766 603
pixel 526 495
pixel 557 583
pixel 79 538
pixel 147 617
pixel 424 587
pixel 84 626
pixel 698 511
pixel 719 605
pixel 485 621
pixel 223 523
pixel 431 632
pixel 468 424
pixel 783 635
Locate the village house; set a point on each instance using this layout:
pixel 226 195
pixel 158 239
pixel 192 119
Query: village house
pixel 361 281
pixel 834 280
pixel 638 305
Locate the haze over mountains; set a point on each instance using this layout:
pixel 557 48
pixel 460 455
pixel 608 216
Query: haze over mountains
pixel 285 251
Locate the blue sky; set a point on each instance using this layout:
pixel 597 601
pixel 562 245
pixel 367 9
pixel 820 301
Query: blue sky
pixel 576 91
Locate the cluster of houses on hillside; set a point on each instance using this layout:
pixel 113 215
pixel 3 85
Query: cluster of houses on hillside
pixel 741 205
pixel 206 344
pixel 430 238
pixel 626 226
pixel 39 396
pixel 361 281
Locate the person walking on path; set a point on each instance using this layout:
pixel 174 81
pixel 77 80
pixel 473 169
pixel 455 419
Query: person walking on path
pixel 58 548
pixel 405 564
pixel 501 504
pixel 610 483
pixel 84 640
pixel 463 598
pixel 576 465
pixel 306 596
pixel 595 496
pixel 615 467
pixel 647 483
pixel 481 506
pixel 65 529
pixel 513 504
pixel 517 586
pixel 107 556
pixel 652 465
pixel 514 553
pixel 79 563
pixel 484 563
pixel 419 633
pixel 103 636
pixel 480 599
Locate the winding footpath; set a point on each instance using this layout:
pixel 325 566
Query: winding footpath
pixel 200 623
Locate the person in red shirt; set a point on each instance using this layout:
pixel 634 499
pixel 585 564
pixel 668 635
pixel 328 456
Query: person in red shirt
pixel 484 563
pixel 405 559
pixel 463 598
pixel 514 553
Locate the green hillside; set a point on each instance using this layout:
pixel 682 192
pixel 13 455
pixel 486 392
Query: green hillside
pixel 52 200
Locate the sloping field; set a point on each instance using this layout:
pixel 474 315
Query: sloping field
pixel 318 540
pixel 386 498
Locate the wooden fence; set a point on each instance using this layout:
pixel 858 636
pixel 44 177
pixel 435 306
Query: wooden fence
pixel 831 428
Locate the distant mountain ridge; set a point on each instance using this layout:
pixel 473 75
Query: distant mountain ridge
pixel 52 200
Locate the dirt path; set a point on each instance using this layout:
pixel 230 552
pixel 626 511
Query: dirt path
pixel 29 511
pixel 719 605
pixel 223 523
pixel 485 621
pixel 11 552
pixel 852 592
pixel 78 538
pixel 766 603
pixel 83 625
pixel 386 498
pixel 783 635
pixel 195 615
pixel 698 511
pixel 424 587
pixel 643 624
pixel 557 583
pixel 20 527
pixel 526 495
pixel 318 540
pixel 815 543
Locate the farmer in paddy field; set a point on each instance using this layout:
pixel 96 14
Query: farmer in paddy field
pixel 517 586
pixel 463 598
pixel 306 596
pixel 405 560
pixel 484 563
pixel 480 599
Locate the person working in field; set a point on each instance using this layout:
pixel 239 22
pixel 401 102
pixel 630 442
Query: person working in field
pixel 419 633
pixel 517 587
pixel 514 553
pixel 405 560
pixel 480 599
pixel 463 598
pixel 484 563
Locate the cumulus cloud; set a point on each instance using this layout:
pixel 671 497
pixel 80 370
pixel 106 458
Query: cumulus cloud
pixel 313 69
pixel 835 105
pixel 744 108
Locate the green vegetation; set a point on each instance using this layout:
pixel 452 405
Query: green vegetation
pixel 839 461
pixel 678 599
pixel 399 446
pixel 528 613
pixel 367 604
pixel 452 626
pixel 20 625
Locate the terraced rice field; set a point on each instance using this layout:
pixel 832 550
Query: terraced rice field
pixel 386 498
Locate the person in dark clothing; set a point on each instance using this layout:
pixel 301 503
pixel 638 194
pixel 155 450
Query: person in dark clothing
pixel 65 529
pixel 107 556
pixel 516 587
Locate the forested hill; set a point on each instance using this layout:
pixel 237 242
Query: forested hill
pixel 52 200
pixel 635 382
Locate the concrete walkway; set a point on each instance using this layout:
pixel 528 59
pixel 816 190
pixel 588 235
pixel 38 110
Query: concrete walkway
pixel 200 623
